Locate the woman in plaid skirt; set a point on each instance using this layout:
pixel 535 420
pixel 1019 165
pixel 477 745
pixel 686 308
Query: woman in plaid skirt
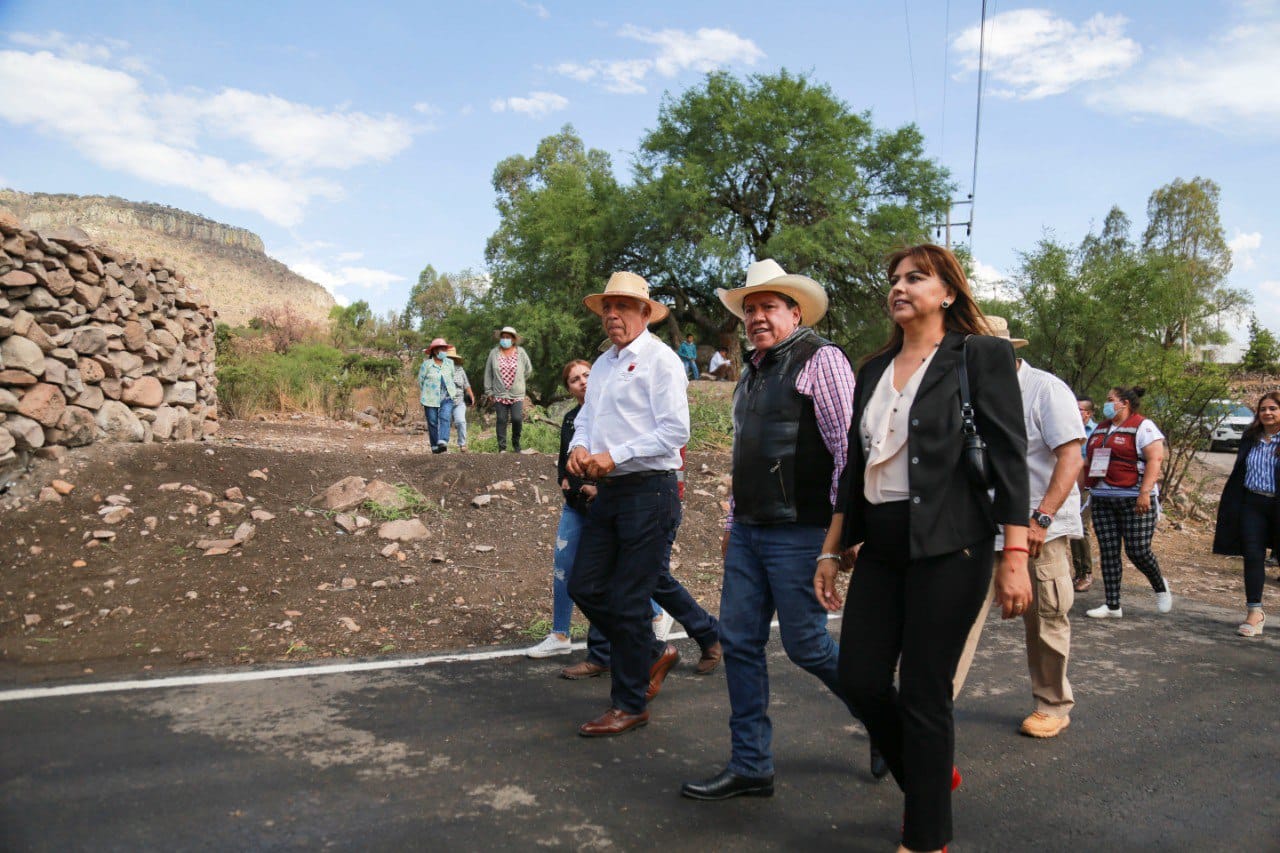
pixel 1122 469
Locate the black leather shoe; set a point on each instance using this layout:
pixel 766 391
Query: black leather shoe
pixel 728 784
pixel 879 767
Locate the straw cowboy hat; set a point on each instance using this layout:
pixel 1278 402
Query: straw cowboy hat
pixel 438 343
pixel 999 327
pixel 508 330
pixel 452 352
pixel 627 284
pixel 768 275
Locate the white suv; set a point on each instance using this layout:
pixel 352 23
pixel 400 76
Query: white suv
pixel 1228 422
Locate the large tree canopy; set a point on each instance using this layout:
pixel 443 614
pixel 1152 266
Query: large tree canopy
pixel 777 166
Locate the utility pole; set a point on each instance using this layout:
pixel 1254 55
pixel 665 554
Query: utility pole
pixel 947 223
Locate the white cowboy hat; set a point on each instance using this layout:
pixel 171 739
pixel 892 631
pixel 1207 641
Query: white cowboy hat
pixel 627 284
pixel 999 327
pixel 768 275
pixel 507 330
pixel 452 352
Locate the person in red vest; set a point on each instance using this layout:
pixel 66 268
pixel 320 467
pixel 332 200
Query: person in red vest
pixel 1122 470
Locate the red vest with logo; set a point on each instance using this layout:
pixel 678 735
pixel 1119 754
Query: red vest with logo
pixel 1122 472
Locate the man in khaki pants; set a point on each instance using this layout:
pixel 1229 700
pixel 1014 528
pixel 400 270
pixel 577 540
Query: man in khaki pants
pixel 1054 437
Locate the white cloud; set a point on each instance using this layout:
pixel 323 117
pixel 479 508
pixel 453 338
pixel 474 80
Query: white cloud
pixel 1242 247
pixel 536 8
pixel 678 51
pixel 427 109
pixel 988 282
pixel 537 105
pixel 109 116
pixel 1271 288
pixel 1229 83
pixel 1031 53
pixel 333 272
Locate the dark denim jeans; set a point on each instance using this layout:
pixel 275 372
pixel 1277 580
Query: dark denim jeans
pixel 767 569
pixel 625 547
pixel 1255 532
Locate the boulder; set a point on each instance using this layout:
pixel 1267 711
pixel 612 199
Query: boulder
pixel 76 427
pixel 90 370
pixel 135 337
pixel 6 442
pixel 126 363
pixel 27 434
pixel 19 353
pixel 89 340
pixel 110 388
pixel 90 398
pixel 386 495
pixel 347 493
pixel 22 322
pixel 68 235
pixel 162 426
pixel 8 400
pixel 181 393
pixel 55 372
pixel 119 423
pixel 41 299
pixel 60 283
pixel 89 295
pixel 43 403
pixel 404 531
pixel 19 378
pixel 17 278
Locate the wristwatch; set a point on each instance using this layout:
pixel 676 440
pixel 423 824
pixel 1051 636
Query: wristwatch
pixel 1042 518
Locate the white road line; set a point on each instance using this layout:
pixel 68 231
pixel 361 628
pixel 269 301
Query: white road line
pixel 26 693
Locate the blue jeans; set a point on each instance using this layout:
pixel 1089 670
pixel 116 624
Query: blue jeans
pixel 460 422
pixel 767 569
pixel 690 366
pixel 438 418
pixel 568 534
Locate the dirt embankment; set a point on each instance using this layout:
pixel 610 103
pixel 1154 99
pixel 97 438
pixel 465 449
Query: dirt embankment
pixel 146 598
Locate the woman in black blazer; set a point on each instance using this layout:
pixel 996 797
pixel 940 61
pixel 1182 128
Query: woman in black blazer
pixel 1249 513
pixel 922 530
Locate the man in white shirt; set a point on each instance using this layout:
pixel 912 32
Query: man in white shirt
pixel 1055 435
pixel 627 438
pixel 720 367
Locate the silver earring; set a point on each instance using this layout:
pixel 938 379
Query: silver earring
pixel 946 304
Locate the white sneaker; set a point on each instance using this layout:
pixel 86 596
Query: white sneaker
pixel 1102 611
pixel 1164 600
pixel 551 646
pixel 662 625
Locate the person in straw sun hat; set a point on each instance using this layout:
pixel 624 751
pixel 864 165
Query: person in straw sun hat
pixel 439 388
pixel 464 398
pixel 791 411
pixel 628 438
pixel 1055 435
pixel 505 373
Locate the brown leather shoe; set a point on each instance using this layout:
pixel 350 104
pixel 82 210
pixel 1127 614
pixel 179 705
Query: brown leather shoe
pixel 709 661
pixel 613 722
pixel 1083 583
pixel 658 672
pixel 586 669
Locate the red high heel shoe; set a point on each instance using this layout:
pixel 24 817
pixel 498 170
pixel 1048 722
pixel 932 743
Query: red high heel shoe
pixel 956 781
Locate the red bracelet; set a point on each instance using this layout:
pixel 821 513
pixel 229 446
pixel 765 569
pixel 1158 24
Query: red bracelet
pixel 1017 548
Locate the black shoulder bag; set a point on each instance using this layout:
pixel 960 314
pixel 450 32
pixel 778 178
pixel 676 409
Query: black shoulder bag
pixel 974 454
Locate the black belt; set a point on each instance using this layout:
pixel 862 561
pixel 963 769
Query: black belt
pixel 632 479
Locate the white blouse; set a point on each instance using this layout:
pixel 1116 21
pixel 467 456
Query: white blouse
pixel 884 428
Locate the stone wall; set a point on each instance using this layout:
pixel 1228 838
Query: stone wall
pixel 94 346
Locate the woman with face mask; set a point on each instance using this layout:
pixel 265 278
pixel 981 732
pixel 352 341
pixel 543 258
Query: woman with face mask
pixel 505 375
pixel 1249 514
pixel 1122 470
pixel 439 387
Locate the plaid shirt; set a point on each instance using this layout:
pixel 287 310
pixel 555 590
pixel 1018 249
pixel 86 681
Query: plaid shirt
pixel 827 379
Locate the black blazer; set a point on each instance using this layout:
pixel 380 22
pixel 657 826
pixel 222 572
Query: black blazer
pixel 948 513
pixel 1226 533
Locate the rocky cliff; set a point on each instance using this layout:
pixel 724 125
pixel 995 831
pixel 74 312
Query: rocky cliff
pixel 228 263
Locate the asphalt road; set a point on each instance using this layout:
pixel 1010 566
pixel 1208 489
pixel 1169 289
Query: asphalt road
pixel 1174 745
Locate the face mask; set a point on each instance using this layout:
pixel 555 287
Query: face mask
pixel 1108 409
pixel 441 356
pixel 505 343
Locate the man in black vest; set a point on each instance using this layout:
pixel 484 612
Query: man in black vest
pixel 791 412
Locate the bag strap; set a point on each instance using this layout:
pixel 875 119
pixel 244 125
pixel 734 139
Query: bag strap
pixel 968 427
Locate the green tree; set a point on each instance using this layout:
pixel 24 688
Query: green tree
pixel 349 322
pixel 777 166
pixel 1264 350
pixel 436 294
pixel 1184 228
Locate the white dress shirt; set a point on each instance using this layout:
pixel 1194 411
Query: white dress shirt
pixel 637 407
pixel 885 428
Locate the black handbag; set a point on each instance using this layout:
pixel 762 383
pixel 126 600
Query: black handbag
pixel 974 452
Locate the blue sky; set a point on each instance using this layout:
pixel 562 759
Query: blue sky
pixel 359 139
